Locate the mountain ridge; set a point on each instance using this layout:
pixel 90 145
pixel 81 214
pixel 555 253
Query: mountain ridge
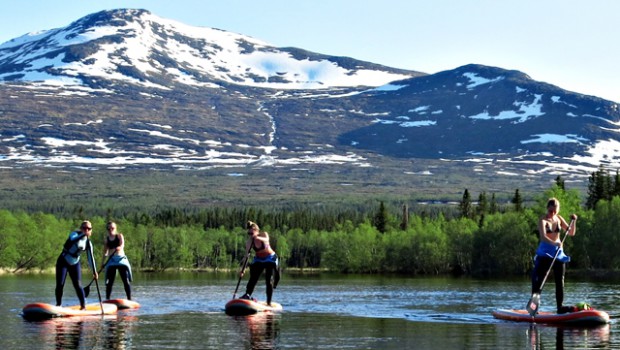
pixel 133 90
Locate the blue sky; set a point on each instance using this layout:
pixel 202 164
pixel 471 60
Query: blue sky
pixel 569 43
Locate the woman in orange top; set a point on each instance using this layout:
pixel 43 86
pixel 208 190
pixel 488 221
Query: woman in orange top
pixel 265 259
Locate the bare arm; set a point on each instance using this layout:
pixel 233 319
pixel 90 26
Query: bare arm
pixel 121 240
pixel 571 229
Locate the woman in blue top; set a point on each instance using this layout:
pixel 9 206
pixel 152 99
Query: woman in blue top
pixel 549 229
pixel 69 262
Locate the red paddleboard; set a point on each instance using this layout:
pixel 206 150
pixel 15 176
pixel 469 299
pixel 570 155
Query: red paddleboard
pixel 582 318
pixel 41 311
pixel 242 307
pixel 123 304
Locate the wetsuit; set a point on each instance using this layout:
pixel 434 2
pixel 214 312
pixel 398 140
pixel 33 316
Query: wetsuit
pixel 69 262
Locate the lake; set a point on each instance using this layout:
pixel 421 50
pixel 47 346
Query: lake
pixel 186 311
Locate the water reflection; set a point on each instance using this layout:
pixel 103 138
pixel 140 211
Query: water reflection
pixel 67 333
pixel 118 333
pixel 261 330
pixel 541 337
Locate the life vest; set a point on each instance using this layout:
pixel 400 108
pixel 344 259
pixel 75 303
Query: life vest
pixel 74 245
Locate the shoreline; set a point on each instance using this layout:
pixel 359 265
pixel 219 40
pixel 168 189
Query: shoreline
pixel 594 274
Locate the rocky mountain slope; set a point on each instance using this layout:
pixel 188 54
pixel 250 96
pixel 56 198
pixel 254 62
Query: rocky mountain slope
pixel 126 89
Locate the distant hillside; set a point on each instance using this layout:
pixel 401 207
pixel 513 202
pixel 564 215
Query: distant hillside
pixel 120 94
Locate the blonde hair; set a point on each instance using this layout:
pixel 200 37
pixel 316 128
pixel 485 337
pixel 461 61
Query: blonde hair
pixel 553 202
pixel 252 225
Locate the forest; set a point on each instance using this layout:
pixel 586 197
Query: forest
pixel 479 238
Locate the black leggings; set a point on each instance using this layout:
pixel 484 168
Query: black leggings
pixel 75 272
pixel 256 269
pixel 110 275
pixel 541 266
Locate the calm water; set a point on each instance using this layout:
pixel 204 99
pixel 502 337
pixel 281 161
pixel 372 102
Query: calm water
pixel 185 311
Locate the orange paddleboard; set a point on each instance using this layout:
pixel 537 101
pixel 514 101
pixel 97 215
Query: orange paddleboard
pixel 242 307
pixel 41 311
pixel 583 317
pixel 123 304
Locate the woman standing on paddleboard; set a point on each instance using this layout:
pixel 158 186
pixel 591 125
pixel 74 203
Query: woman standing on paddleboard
pixel 265 259
pixel 549 229
pixel 69 262
pixel 114 246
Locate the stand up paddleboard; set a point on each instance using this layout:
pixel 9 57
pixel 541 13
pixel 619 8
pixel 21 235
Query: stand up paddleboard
pixel 123 304
pixel 243 307
pixel 42 311
pixel 581 318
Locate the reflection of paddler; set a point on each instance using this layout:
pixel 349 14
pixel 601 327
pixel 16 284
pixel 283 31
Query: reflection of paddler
pixel 263 329
pixel 118 335
pixel 69 334
pixel 589 337
pixel 114 245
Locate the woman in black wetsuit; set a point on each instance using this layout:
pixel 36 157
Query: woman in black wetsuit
pixel 69 262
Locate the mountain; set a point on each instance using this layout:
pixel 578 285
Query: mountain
pixel 137 47
pixel 122 90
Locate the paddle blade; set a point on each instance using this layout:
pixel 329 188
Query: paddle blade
pixel 86 291
pixel 533 304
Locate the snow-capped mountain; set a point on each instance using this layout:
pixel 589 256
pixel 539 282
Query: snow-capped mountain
pixel 126 88
pixel 137 47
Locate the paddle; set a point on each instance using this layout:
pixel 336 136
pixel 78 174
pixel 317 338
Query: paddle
pixel 87 288
pixel 245 263
pixel 99 295
pixel 534 303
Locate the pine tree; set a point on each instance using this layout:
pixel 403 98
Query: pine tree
pixel 493 207
pixel 599 187
pixel 405 222
pixel 517 201
pixel 381 218
pixel 465 205
pixel 483 203
pixel 616 185
pixel 559 181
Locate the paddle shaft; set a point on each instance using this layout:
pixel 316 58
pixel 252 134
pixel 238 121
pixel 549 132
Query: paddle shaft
pixel 245 264
pixel 99 295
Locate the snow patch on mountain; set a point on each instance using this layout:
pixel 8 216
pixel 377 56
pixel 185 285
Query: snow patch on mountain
pixel 476 80
pixel 602 152
pixel 201 55
pixel 555 138
pixel 524 112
